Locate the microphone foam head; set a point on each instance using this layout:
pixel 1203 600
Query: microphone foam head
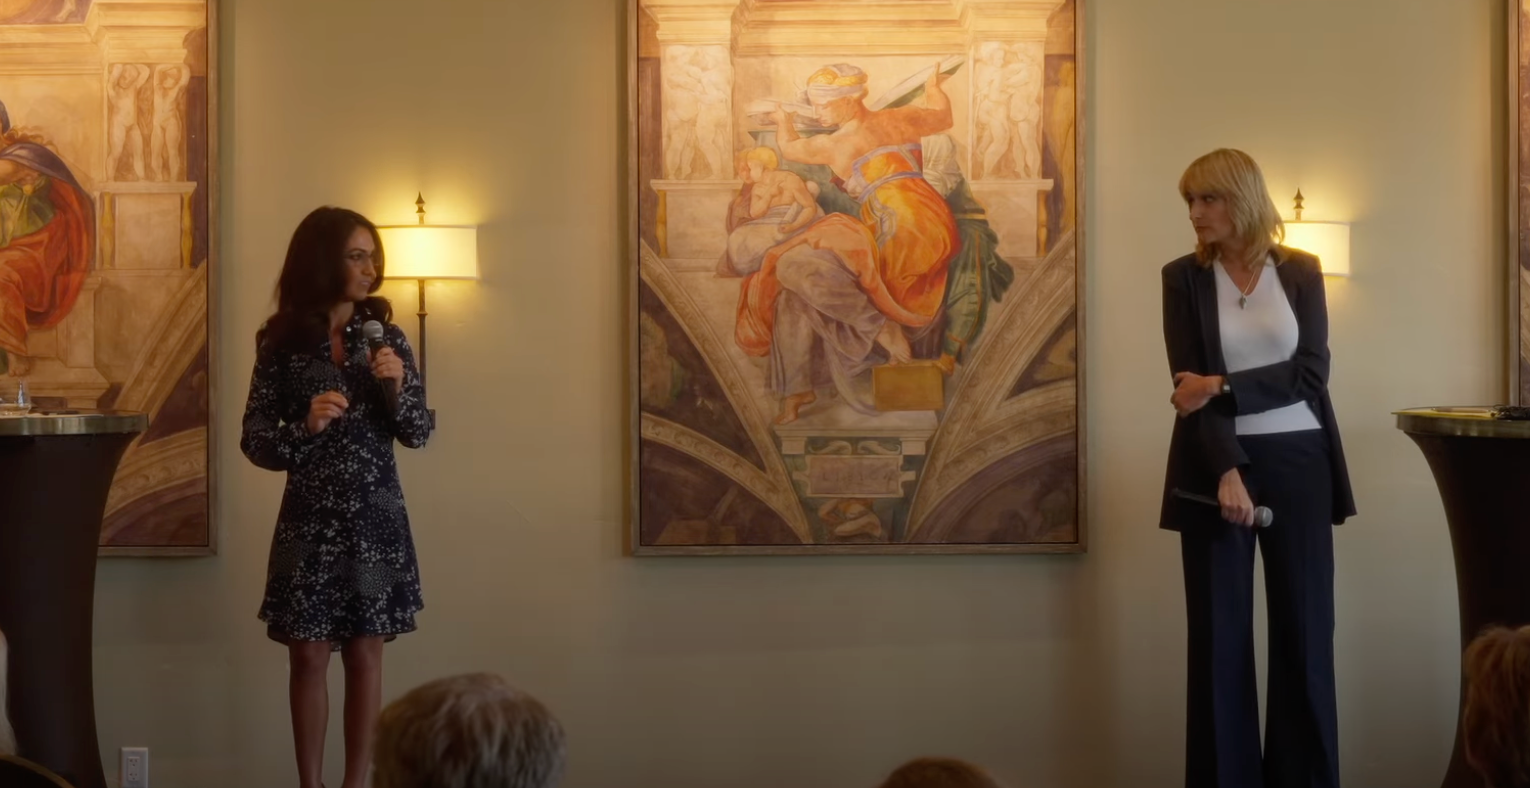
pixel 1263 516
pixel 372 330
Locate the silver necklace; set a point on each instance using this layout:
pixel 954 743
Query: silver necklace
pixel 1243 294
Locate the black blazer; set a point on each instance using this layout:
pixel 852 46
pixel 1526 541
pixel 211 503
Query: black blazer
pixel 1205 444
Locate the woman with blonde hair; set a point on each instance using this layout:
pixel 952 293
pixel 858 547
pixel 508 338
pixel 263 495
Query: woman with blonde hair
pixel 1245 322
pixel 1495 722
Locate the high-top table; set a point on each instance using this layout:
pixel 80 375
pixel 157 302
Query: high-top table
pixel 55 472
pixel 1481 466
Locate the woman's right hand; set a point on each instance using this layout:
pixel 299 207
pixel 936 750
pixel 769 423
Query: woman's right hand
pixel 1237 507
pixel 324 409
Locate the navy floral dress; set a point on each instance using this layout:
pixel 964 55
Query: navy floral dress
pixel 342 559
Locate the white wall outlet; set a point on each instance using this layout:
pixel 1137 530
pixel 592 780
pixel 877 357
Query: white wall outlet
pixel 134 772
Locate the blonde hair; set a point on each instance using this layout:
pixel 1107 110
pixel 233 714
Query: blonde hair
pixel 465 732
pixel 1234 176
pixel 1495 723
pixel 763 156
pixel 939 773
pixel 7 735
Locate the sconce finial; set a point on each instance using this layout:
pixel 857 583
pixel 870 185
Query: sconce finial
pixel 419 206
pixel 1299 199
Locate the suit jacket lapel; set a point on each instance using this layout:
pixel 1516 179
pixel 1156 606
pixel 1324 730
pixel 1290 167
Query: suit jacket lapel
pixel 1289 283
pixel 1204 282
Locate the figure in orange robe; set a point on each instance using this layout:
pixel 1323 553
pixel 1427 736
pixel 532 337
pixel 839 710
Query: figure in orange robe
pixel 47 232
pixel 896 252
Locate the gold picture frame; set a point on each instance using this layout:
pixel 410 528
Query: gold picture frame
pixel 112 116
pixel 942 229
pixel 1518 270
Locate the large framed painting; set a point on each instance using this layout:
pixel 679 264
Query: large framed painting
pixel 107 111
pixel 856 309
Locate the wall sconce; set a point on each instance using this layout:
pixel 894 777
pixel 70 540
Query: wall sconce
pixel 1328 240
pixel 421 252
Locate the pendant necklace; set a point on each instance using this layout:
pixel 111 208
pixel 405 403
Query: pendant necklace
pixel 1243 294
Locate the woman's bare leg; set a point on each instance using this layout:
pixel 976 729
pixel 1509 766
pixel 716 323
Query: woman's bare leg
pixel 363 700
pixel 308 693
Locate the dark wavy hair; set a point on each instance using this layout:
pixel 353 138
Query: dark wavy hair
pixel 313 281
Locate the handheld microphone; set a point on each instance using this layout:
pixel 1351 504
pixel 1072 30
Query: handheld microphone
pixel 373 331
pixel 1263 517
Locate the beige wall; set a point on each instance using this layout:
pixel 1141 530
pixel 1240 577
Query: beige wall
pixel 1057 671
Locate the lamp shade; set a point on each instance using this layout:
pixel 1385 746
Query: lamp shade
pixel 1328 240
pixel 430 251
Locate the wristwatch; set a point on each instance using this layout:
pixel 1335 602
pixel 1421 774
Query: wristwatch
pixel 1226 387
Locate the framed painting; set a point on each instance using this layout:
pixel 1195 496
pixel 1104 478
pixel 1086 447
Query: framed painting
pixel 107 239
pixel 1519 201
pixel 856 292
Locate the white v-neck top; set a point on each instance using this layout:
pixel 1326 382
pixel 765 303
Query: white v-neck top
pixel 1259 333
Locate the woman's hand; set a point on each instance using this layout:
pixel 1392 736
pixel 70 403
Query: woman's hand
pixel 324 409
pixel 782 117
pixel 1237 507
pixel 386 365
pixel 1192 391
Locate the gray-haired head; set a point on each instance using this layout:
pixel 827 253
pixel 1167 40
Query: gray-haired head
pixel 468 731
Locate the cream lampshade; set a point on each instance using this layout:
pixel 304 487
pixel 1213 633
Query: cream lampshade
pixel 1328 240
pixel 429 251
pixel 421 252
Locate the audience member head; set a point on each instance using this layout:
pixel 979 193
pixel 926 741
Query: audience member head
pixel 468 731
pixel 1495 725
pixel 939 773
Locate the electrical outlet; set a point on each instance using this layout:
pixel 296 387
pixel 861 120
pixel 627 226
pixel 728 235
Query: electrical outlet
pixel 134 771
